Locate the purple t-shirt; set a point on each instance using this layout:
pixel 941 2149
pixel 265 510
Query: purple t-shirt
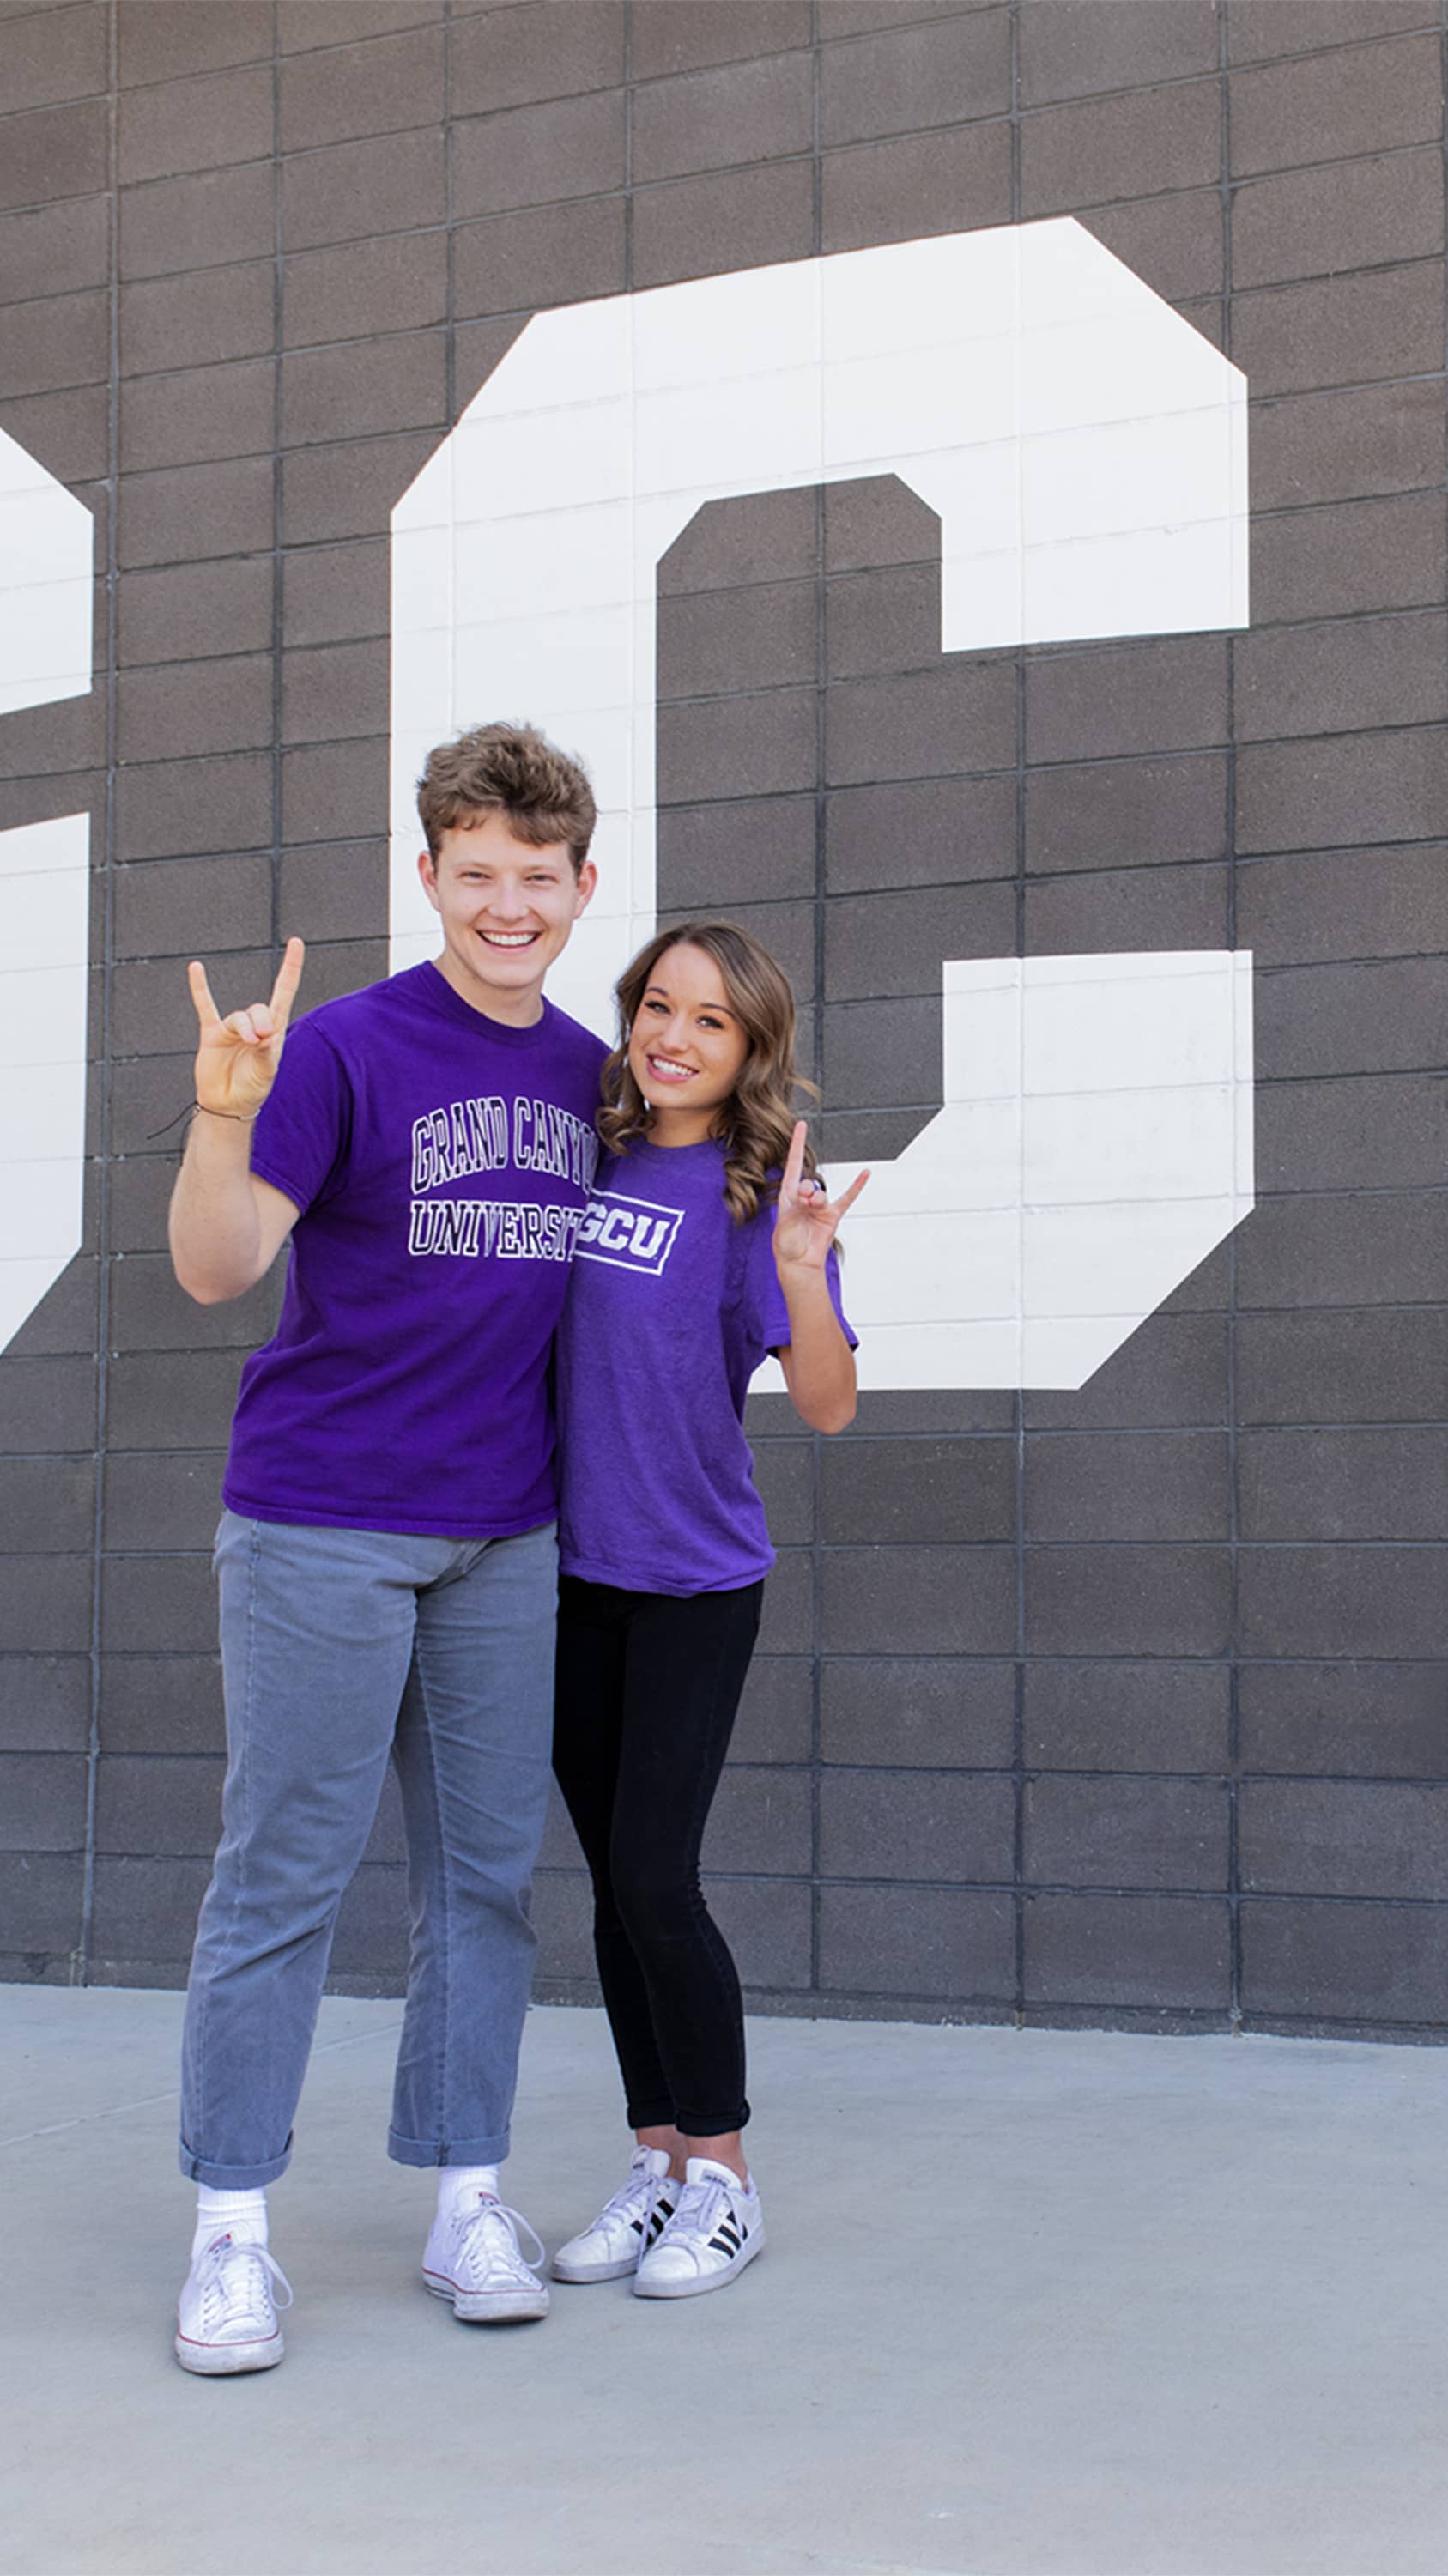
pixel 671 1307
pixel 442 1164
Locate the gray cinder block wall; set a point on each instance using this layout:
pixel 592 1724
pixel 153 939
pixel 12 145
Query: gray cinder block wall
pixel 1121 1706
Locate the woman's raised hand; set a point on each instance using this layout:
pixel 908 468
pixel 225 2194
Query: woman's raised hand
pixel 237 1057
pixel 805 1219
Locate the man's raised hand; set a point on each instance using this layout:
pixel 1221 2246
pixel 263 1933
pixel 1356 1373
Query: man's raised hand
pixel 237 1057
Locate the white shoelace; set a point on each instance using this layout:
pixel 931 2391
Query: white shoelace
pixel 232 2276
pixel 499 2243
pixel 633 2200
pixel 698 2208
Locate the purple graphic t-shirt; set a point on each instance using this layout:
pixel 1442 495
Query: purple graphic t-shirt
pixel 442 1164
pixel 671 1307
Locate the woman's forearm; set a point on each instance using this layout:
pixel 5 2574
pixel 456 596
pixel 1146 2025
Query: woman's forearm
pixel 819 1365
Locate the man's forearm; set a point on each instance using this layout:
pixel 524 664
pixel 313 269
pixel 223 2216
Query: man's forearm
pixel 218 1249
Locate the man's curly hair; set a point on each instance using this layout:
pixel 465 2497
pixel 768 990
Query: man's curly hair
pixel 509 769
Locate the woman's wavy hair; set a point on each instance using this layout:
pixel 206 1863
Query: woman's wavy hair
pixel 757 1120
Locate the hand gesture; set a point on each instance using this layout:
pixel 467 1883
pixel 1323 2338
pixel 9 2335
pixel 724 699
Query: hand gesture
pixel 237 1058
pixel 805 1219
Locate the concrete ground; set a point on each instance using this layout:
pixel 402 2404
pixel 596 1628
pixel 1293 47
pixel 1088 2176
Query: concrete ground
pixel 1042 2304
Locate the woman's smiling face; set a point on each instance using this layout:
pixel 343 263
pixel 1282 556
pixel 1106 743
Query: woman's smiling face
pixel 687 1047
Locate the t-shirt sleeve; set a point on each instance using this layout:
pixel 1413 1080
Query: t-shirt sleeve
pixel 767 1311
pixel 300 1139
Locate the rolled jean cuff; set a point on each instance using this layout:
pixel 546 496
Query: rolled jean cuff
pixel 448 2151
pixel 658 2114
pixel 693 2124
pixel 233 2177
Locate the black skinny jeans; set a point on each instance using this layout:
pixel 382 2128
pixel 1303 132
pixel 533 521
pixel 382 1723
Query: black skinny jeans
pixel 648 1687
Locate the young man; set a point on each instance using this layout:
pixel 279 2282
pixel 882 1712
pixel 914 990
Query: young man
pixel 387 1557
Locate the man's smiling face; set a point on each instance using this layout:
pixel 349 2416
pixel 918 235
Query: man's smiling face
pixel 506 910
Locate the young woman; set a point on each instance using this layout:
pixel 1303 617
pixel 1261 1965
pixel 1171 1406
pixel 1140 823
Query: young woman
pixel 708 1243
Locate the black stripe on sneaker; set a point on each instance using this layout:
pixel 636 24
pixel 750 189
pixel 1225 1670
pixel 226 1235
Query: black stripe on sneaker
pixel 722 2244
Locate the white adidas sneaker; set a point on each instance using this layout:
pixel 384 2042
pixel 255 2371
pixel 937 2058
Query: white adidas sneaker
pixel 226 2316
pixel 474 2260
pixel 625 2227
pixel 716 2229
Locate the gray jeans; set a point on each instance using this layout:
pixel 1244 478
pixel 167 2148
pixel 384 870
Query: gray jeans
pixel 342 1648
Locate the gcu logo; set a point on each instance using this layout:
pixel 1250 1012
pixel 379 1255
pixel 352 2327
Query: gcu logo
pixel 1085 451
pixel 629 1234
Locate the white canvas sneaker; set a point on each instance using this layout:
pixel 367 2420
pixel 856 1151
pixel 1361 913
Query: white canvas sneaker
pixel 625 2227
pixel 716 2229
pixel 226 2316
pixel 474 2260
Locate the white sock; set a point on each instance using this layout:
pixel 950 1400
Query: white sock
pixel 459 2186
pixel 239 2213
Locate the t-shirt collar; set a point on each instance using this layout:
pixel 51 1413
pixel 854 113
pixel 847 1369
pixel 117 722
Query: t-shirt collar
pixel 434 989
